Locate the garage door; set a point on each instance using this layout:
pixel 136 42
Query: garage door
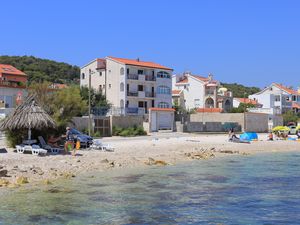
pixel 165 121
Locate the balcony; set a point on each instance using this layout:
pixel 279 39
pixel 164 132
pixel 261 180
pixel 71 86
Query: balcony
pixel 135 111
pixel 140 94
pixel 132 76
pixel 132 93
pixel 141 77
pixel 209 92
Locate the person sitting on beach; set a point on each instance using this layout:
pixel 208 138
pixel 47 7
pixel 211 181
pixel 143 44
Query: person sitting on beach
pixel 53 141
pixel 232 135
pixel 270 137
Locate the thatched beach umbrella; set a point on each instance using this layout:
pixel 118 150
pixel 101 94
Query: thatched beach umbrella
pixel 29 115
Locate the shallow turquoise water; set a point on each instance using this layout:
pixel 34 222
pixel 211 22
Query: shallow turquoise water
pixel 260 189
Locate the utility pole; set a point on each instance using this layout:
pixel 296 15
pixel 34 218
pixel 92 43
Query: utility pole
pixel 90 73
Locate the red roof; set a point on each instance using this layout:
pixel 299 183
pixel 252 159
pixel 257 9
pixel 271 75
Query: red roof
pixel 176 92
pixel 162 109
pixel 209 110
pixel 247 101
pixel 286 89
pixel 296 105
pixel 185 79
pixel 136 62
pixel 9 69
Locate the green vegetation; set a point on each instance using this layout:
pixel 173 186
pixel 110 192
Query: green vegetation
pixel 43 69
pixel 290 116
pixel 242 108
pixel 97 99
pixel 128 132
pixel 240 91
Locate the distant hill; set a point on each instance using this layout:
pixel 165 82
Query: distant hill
pixel 43 69
pixel 240 91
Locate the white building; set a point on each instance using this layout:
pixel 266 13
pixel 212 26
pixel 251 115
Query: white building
pixel 277 99
pixel 196 92
pixel 131 86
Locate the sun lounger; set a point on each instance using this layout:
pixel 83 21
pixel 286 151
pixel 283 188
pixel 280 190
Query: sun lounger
pixel 44 145
pixel 97 144
pixel 34 149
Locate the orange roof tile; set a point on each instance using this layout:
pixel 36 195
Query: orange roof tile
pixel 162 109
pixel 247 101
pixel 209 110
pixel 185 79
pixel 176 92
pixel 286 89
pixel 9 69
pixel 295 105
pixel 140 63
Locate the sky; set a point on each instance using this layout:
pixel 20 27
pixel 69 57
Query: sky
pixel 253 42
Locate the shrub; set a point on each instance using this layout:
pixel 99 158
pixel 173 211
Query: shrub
pixel 14 138
pixel 130 131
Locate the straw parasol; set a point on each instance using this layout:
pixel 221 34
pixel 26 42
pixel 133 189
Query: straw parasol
pixel 29 115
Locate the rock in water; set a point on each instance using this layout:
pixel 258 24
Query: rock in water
pixel 3 173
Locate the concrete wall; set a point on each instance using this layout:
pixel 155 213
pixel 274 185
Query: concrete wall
pixel 219 122
pixel 79 123
pixel 127 121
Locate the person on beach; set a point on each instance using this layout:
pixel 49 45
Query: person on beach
pixel 232 135
pixel 270 137
pixel 69 144
pixel 53 141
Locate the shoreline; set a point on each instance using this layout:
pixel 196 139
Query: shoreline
pixel 154 150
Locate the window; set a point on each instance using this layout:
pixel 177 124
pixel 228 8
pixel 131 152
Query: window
pixel 163 90
pixel 277 98
pixel 122 87
pixel 140 71
pixel 100 88
pixel 109 85
pixel 127 70
pixel 100 73
pixel 152 103
pixel 127 87
pixel 141 104
pixel 122 71
pixel 294 98
pixel 140 88
pixel 197 103
pixel 163 74
pixel 82 76
pixel 163 105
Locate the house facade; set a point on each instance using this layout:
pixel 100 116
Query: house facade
pixel 277 99
pixel 238 101
pixel 12 88
pixel 131 86
pixel 196 92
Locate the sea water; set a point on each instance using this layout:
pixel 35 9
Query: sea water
pixel 258 189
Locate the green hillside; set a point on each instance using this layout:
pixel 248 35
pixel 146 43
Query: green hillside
pixel 240 91
pixel 43 69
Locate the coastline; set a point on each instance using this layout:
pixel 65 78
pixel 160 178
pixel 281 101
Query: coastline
pixel 155 150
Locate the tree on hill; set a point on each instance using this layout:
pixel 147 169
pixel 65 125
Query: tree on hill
pixel 40 70
pixel 240 91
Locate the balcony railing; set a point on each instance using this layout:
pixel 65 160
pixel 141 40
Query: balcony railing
pixel 150 94
pixel 132 76
pixel 209 93
pixel 135 110
pixel 141 77
pixel 150 78
pixel 131 93
pixel 12 84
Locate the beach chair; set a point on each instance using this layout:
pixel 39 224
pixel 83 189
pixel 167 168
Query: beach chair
pixel 37 150
pixel 97 144
pixel 48 147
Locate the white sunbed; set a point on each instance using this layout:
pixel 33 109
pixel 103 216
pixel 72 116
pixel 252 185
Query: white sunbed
pixel 34 149
pixel 97 144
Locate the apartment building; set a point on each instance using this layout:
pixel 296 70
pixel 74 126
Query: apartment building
pixel 277 99
pixel 196 92
pixel 131 86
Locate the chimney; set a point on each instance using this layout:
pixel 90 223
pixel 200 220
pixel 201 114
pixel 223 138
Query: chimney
pixel 210 77
pixel 138 59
